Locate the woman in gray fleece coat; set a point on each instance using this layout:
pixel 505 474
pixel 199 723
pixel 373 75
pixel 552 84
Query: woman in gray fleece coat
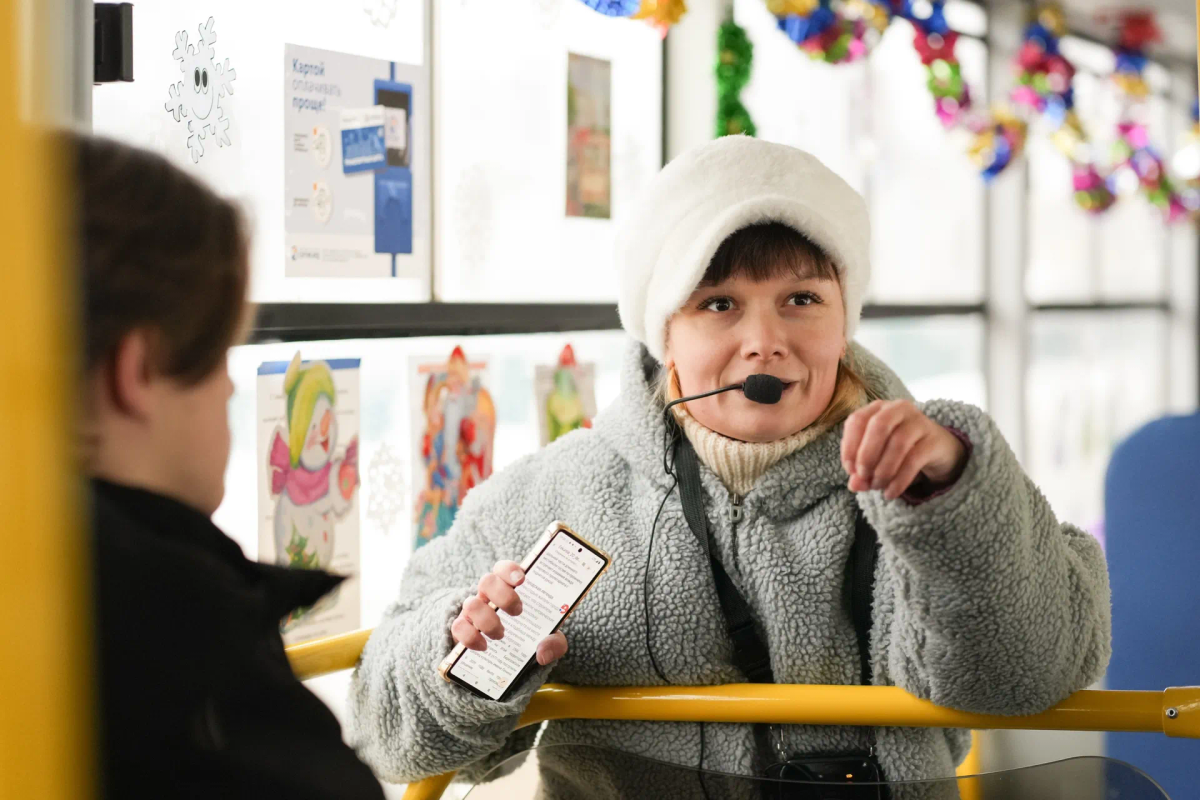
pixel 747 257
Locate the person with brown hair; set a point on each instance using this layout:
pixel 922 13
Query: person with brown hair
pixel 196 696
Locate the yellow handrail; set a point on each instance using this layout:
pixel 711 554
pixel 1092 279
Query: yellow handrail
pixel 1175 712
pixel 890 706
pixel 331 654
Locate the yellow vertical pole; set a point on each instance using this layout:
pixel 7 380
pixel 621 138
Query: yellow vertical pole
pixel 46 741
pixel 969 788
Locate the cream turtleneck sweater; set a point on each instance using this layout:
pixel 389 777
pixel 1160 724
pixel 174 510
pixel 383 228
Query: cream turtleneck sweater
pixel 739 464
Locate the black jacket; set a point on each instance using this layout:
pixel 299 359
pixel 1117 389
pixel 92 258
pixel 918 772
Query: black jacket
pixel 197 698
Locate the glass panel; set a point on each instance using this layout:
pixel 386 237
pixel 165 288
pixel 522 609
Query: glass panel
pixel 804 103
pixel 1183 241
pixel 569 771
pixel 502 80
pixel 1121 254
pixel 1093 379
pixel 386 421
pixel 1132 246
pixel 967 17
pixel 1087 56
pixel 230 127
pixel 1158 78
pixel 927 200
pixel 936 357
pixel 873 123
pixel 1062 237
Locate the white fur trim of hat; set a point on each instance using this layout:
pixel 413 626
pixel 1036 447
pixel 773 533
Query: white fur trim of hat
pixel 711 192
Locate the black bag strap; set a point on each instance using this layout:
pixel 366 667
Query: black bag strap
pixel 864 554
pixel 750 653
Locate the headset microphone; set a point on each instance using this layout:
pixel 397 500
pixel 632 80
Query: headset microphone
pixel 765 389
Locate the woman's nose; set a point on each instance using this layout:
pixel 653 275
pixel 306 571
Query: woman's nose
pixel 326 418
pixel 764 337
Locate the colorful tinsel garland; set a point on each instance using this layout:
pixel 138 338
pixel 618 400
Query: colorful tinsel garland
pixel 662 14
pixel 1044 86
pixel 842 31
pixel 819 30
pixel 735 54
pixel 935 45
pixel 1186 164
pixel 1132 149
pixel 998 135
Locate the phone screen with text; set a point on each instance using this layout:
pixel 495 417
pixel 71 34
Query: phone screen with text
pixel 554 583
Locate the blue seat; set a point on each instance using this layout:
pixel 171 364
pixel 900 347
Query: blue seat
pixel 1152 532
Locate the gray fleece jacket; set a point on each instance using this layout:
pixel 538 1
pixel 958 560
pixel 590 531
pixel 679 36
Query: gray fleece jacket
pixel 983 602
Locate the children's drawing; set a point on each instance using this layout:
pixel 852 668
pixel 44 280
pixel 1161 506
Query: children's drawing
pixel 198 95
pixel 454 452
pixel 313 486
pixel 309 483
pixel 589 131
pixel 566 396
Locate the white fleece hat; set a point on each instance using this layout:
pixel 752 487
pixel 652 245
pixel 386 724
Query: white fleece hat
pixel 709 193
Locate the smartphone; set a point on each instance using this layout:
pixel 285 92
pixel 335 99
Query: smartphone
pixel 559 572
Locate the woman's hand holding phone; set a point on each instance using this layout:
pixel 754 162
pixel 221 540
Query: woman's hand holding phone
pixel 478 621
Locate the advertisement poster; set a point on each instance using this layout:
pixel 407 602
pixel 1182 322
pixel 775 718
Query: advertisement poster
pixel 454 426
pixel 308 415
pixel 589 132
pixel 348 165
pixel 565 395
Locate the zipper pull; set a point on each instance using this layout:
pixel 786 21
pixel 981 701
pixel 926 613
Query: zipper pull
pixel 735 509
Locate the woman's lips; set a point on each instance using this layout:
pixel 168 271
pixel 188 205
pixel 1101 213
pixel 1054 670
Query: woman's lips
pixel 786 383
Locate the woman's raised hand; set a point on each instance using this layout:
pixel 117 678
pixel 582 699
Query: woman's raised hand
pixel 887 444
pixel 478 620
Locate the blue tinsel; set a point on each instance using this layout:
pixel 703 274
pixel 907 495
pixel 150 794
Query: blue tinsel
pixel 614 8
pixel 1047 40
pixel 1129 61
pixel 1056 110
pixel 934 23
pixel 800 29
pixel 1003 154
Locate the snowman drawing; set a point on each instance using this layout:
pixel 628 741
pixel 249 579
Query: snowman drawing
pixel 198 96
pixel 312 487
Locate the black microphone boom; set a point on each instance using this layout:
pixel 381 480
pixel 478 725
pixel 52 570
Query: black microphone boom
pixel 765 389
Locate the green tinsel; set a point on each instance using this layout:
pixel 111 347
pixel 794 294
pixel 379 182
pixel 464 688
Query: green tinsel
pixel 734 56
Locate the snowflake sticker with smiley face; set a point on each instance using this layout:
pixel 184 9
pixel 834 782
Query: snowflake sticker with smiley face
pixel 198 96
pixel 380 12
